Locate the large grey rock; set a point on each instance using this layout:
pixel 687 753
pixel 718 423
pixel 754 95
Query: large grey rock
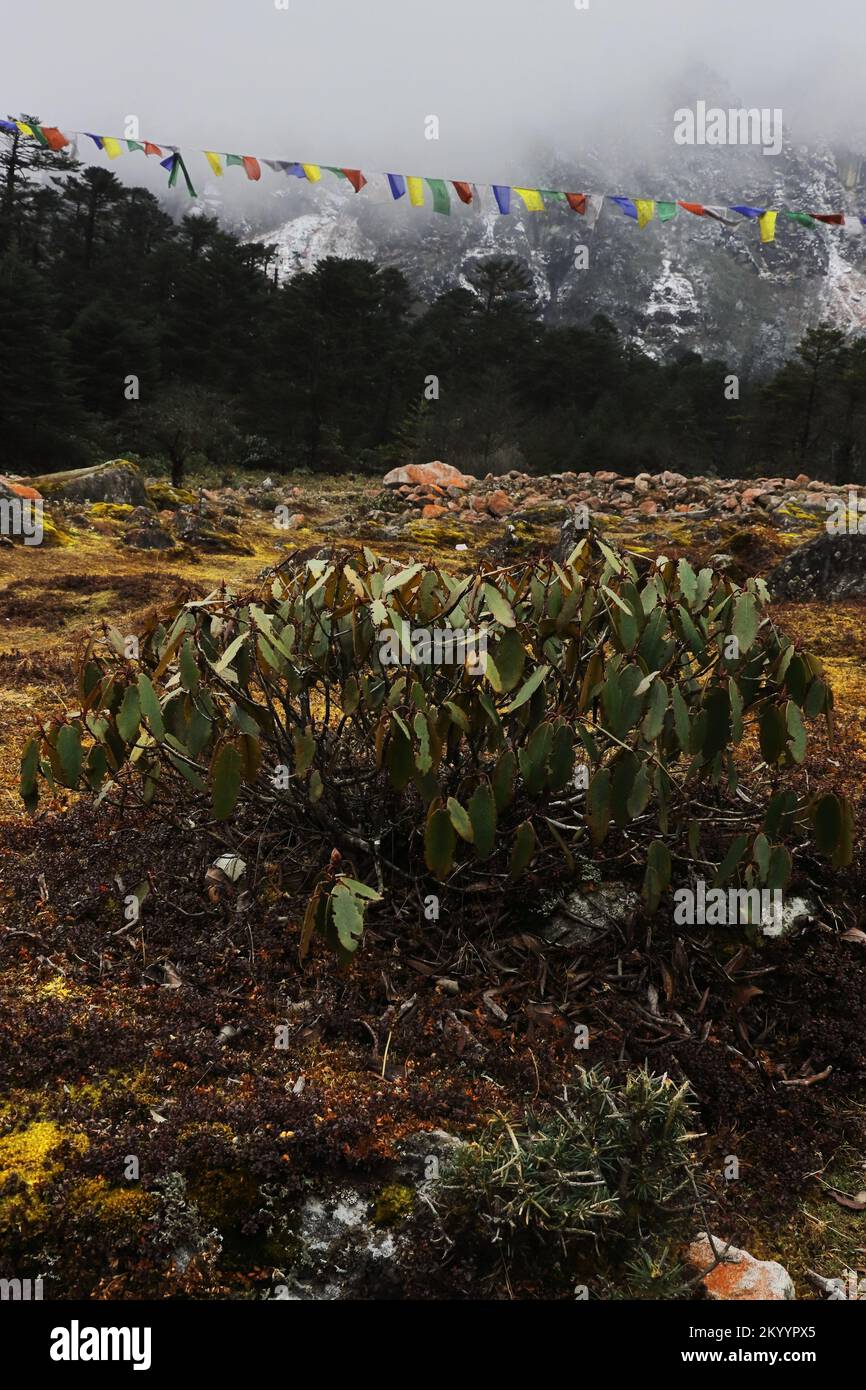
pixel 828 568
pixel 117 481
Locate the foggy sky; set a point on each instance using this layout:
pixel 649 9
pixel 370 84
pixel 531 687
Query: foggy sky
pixel 350 82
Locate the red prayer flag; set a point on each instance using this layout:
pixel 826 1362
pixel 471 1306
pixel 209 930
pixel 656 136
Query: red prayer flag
pixel 697 208
pixel 355 177
pixel 253 168
pixel 835 219
pixel 577 202
pixel 152 149
pixel 56 139
pixel 463 191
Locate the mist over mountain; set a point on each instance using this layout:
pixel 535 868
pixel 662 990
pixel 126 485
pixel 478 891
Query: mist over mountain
pixel 691 284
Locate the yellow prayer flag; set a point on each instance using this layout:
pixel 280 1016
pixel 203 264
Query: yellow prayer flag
pixel 768 225
pixel 416 192
pixel 532 199
pixel 111 146
pixel 24 128
pixel 312 171
pixel 646 210
pixel 214 162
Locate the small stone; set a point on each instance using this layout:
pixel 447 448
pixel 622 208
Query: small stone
pixel 739 1276
pixel 499 503
pixel 433 510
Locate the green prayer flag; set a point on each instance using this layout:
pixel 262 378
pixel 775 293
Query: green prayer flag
pixel 133 145
pixel 441 200
pixel 234 159
pixel 802 217
pixel 666 211
pixel 332 170
pixel 552 193
pixel 38 132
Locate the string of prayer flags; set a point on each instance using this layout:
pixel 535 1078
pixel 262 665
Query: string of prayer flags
pixel 640 210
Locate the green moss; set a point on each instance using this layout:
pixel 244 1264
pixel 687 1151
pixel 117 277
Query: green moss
pixel 225 1197
pixel 119 1212
pixel 393 1204
pixel 27 1166
pixel 167 498
pixel 111 511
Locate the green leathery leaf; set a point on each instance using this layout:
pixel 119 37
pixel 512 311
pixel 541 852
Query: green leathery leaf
pixel 482 814
pixel 150 708
pixel 772 733
pixel 658 874
pixel 503 779
pixel 225 777
pixel 440 842
pixel 348 916
pixel 29 773
pixel 188 666
pixel 505 662
pixel 528 689
pixel 826 817
pixel 129 715
pixel 745 622
pixel 735 853
pixel 796 732
pixel 499 606
pixel 523 849
pixel 305 751
pixel 69 754
pixel 598 808
pixel 460 820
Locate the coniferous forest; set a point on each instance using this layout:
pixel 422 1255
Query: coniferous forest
pixel 330 370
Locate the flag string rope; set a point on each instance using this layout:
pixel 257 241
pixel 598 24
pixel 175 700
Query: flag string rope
pixel 589 205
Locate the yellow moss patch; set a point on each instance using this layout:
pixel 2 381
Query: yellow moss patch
pixel 111 511
pixel 393 1205
pixel 119 1211
pixel 57 988
pixel 165 497
pixel 26 1167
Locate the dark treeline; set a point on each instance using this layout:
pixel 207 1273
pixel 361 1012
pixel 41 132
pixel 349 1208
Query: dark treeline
pixel 343 367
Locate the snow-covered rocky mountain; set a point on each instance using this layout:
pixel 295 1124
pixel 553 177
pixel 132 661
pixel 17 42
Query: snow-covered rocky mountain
pixel 689 284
